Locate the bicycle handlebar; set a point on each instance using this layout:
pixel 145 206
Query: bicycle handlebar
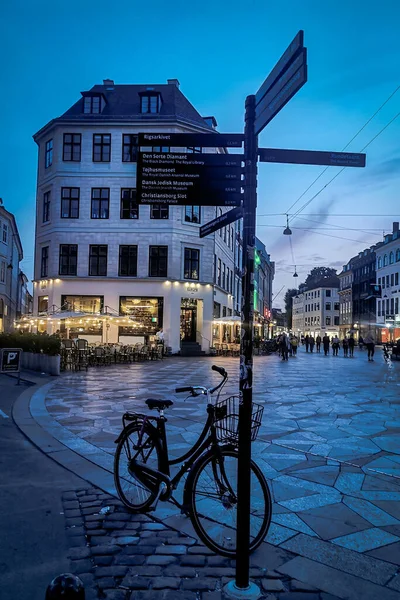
pixel 193 390
pixel 183 389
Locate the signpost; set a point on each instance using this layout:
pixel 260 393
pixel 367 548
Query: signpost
pixel 184 178
pixel 10 361
pixel 312 157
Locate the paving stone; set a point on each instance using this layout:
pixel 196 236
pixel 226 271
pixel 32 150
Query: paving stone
pixel 177 571
pixel 114 525
pixel 171 550
pixel 114 594
pixel 218 572
pixel 75 531
pixel 154 526
pixel 77 541
pixel 193 561
pixel 335 582
pixel 105 582
pixel 185 541
pixel 125 559
pixel 73 514
pixel 81 566
pixel 89 498
pixel 273 575
pixel 76 553
pixel 103 560
pixel 146 571
pixel 137 583
pixel 126 540
pixel 69 496
pixel 219 561
pixel 394 583
pixel 163 595
pixel 77 522
pixel 138 549
pixel 118 516
pixel 111 571
pixel 171 583
pixel 300 586
pixel 199 584
pixel 298 596
pixel 106 549
pixel 71 505
pixel 272 585
pixel 93 525
pixel 161 560
pixel 200 550
pixel 92 518
pixel 211 596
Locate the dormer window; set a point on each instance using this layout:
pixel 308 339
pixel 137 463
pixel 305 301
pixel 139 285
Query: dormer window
pixel 92 105
pixel 150 103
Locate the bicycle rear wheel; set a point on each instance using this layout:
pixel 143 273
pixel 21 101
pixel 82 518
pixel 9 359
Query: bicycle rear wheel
pixel 211 496
pixel 131 491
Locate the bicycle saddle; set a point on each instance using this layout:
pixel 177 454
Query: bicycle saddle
pixel 158 404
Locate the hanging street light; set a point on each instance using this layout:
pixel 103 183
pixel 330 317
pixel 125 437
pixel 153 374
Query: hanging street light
pixel 287 230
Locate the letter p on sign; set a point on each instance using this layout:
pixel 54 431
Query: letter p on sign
pixel 11 356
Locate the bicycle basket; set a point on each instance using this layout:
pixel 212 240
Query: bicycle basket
pixel 226 420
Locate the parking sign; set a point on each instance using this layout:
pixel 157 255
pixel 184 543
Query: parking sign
pixel 10 360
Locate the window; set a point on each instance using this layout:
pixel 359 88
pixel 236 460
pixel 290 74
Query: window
pixel 328 306
pixel 98 260
pixel 68 259
pixel 391 258
pixel 91 105
pixel 127 261
pixel 72 147
pixel 158 261
pixel 392 306
pixel 379 281
pixel 396 309
pixel 336 320
pixel 192 261
pixel 192 214
pixel 398 255
pixel 70 203
pixel 87 304
pixel 380 262
pixel 392 279
pixel 145 312
pixel 383 283
pixel 219 271
pixel 217 310
pixel 129 147
pixel 48 160
pixel 159 211
pixel 100 203
pixel 328 293
pixel 379 308
pixel 129 205
pixel 327 321
pixel 220 214
pixel 150 103
pixel 101 147
pixel 387 281
pixel 46 207
pixel 385 260
pixel 336 306
pixel 5 233
pixel 319 293
pixel 44 267
pixel 2 271
pixel 223 275
pixel 396 279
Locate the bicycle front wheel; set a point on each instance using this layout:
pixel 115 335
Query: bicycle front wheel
pixel 211 496
pixel 144 448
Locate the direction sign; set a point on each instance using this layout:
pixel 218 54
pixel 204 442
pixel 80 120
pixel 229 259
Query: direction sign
pixel 312 157
pixel 202 140
pixel 10 360
pixel 205 198
pixel 186 158
pixel 221 221
pixel 190 171
pixel 283 63
pixel 284 94
pixel 189 187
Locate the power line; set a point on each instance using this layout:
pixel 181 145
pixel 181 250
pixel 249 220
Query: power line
pixel 346 146
pixel 340 227
pixel 328 215
pixel 317 231
pixel 341 170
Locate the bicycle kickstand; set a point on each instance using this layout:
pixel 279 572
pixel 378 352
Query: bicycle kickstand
pixel 161 491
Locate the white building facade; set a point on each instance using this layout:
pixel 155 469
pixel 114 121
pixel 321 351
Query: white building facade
pixel 109 269
pixel 10 256
pixel 298 323
pixel 388 277
pixel 321 312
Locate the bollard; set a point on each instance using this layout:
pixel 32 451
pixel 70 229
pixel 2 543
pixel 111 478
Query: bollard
pixel 65 587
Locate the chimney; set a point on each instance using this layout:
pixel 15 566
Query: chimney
pixel 395 226
pixel 108 81
pixel 173 82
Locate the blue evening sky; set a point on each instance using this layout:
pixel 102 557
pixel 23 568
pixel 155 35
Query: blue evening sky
pixel 221 51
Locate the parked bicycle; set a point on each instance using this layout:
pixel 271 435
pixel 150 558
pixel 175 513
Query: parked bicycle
pixel 142 469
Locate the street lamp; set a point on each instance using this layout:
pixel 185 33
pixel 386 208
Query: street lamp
pixel 287 230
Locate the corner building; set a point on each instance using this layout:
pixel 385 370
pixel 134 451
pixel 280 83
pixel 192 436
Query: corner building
pixel 106 268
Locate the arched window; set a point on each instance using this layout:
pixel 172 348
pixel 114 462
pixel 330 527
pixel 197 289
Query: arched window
pixel 380 262
pixel 385 260
pixel 391 258
pixel 398 255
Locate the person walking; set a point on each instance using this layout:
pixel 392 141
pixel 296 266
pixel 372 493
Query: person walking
pixel 312 343
pixel 295 343
pixel 352 343
pixel 326 342
pixel 318 342
pixel 335 345
pixel 307 341
pixel 370 343
pixel 345 345
pixel 285 346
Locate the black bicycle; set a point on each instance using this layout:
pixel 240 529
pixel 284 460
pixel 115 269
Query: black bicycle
pixel 142 470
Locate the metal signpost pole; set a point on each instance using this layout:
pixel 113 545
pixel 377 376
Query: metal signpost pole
pixel 242 588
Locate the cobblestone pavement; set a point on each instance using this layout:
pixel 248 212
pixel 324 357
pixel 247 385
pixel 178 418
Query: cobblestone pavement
pixel 329 446
pixel 120 556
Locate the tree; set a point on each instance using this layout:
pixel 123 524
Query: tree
pixel 290 293
pixel 322 277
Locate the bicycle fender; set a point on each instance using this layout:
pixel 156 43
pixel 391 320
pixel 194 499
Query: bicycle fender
pixel 131 426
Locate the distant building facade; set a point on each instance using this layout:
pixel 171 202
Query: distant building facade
pixel 11 255
pixel 263 277
pixel 320 311
pixel 388 277
pixel 298 314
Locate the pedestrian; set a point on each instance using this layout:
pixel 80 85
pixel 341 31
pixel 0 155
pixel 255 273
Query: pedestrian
pixel 307 341
pixel 295 343
pixel 351 346
pixel 361 342
pixel 345 344
pixel 370 343
pixel 312 343
pixel 318 342
pixel 326 341
pixel 285 346
pixel 335 345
